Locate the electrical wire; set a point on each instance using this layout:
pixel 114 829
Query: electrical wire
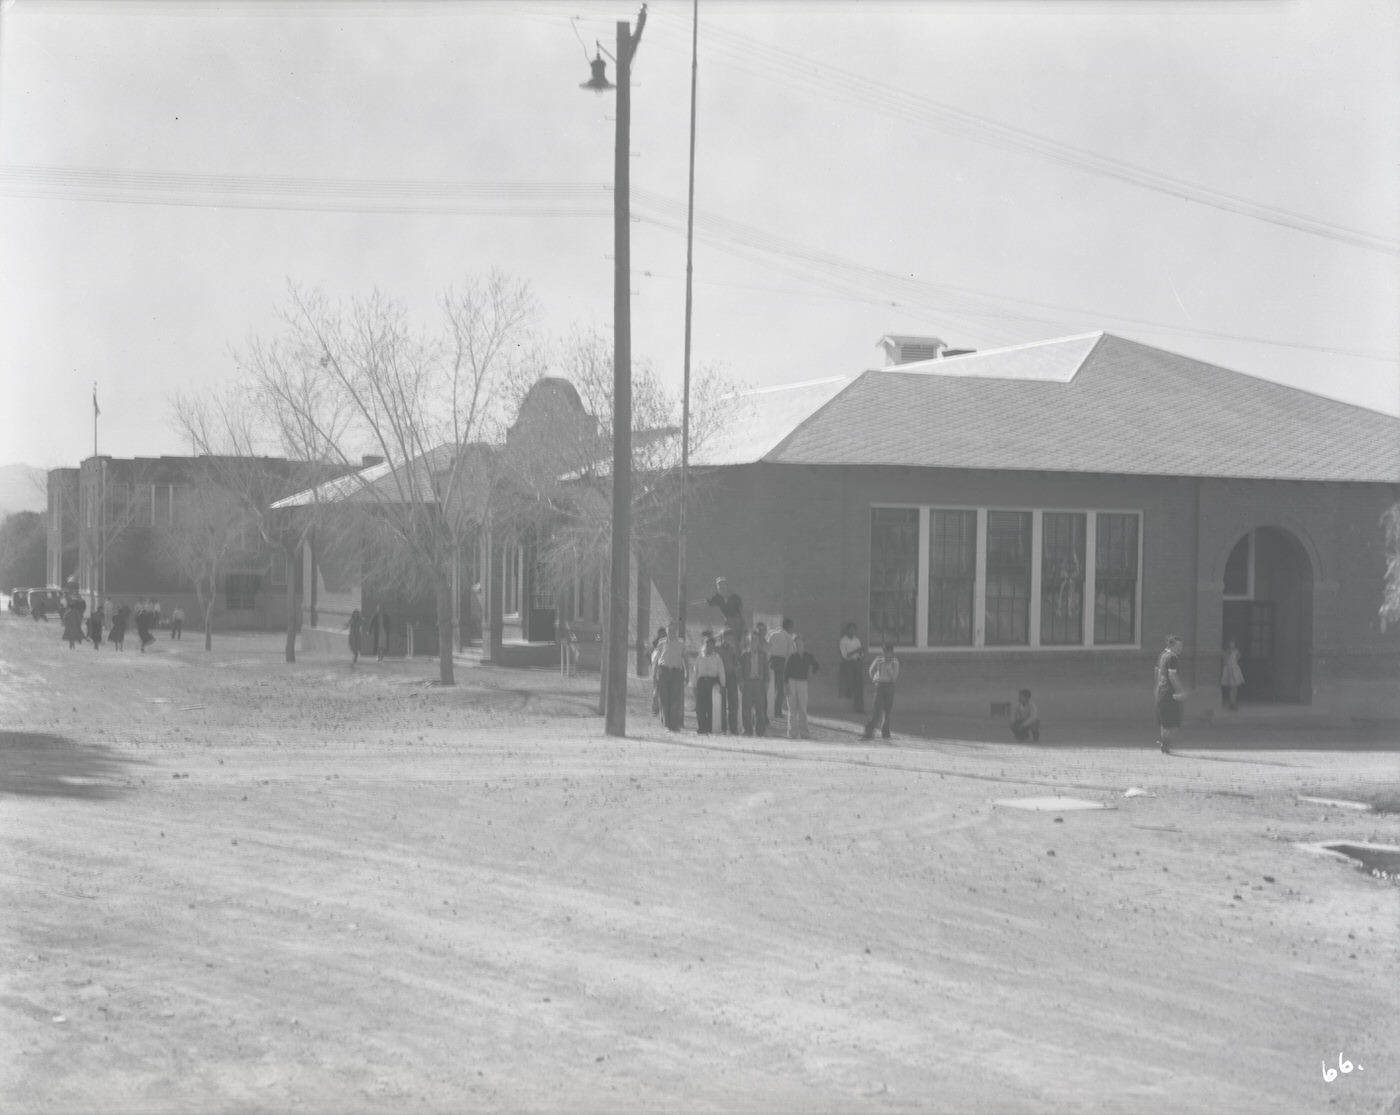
pixel 829 272
pixel 786 67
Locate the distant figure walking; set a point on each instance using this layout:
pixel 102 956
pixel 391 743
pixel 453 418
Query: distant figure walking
pixel 1171 694
pixel 355 624
pixel 73 624
pixel 884 672
pixel 1231 676
pixel 94 627
pixel 177 622
pixel 851 679
pixel 143 625
pixel 119 621
pixel 379 628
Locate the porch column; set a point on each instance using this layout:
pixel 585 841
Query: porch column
pixel 643 615
pixel 493 560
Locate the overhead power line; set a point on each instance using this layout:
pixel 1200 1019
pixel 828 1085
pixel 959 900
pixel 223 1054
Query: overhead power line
pixel 830 272
pixel 368 195
pixel 758 244
pixel 786 67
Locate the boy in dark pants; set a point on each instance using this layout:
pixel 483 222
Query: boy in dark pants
pixel 753 674
pixel 729 654
pixel 884 672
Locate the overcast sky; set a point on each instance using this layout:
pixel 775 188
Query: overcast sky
pixel 1219 179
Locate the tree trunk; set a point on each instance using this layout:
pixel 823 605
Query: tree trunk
pixel 293 613
pixel 206 605
pixel 605 608
pixel 444 617
pixel 209 623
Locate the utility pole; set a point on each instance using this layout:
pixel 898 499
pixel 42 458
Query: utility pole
pixel 615 685
pixel 689 272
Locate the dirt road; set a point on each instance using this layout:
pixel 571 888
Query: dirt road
pixel 236 885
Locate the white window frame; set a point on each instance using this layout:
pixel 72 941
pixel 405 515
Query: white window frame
pixel 979 590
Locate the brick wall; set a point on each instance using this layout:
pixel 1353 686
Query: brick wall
pixel 795 540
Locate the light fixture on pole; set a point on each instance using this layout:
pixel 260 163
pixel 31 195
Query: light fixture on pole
pixel 599 82
pixel 615 664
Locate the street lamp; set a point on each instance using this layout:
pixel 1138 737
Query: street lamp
pixel 615 654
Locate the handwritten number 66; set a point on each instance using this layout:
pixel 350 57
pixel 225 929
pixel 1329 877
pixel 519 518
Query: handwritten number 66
pixel 1344 1065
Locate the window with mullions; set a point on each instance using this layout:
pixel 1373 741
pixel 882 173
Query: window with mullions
pixel 1008 594
pixel 240 591
pixel 1115 579
pixel 1062 578
pixel 952 577
pixel 894 574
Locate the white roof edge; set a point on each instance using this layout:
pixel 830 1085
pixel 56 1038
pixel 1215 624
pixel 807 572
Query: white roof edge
pixel 751 391
pixel 1095 335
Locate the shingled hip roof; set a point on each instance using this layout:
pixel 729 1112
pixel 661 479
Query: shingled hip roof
pixel 1094 403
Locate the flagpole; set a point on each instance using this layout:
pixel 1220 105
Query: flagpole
pixel 100 568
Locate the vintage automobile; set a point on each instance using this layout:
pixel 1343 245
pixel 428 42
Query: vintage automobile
pixel 19 601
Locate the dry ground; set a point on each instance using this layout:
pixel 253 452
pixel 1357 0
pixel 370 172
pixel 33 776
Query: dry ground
pixel 236 885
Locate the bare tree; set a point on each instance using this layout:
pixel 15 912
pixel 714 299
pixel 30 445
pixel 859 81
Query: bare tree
pixel 232 430
pixel 347 380
pixel 210 525
pixel 561 487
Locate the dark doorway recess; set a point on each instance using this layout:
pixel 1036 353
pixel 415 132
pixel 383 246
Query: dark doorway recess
pixel 1268 613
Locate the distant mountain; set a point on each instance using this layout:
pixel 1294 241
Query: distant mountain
pixel 21 489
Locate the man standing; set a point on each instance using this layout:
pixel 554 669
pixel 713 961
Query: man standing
pixel 1171 694
pixel 779 647
pixel 753 667
pixel 669 660
pixel 800 667
pixel 177 622
pixel 729 604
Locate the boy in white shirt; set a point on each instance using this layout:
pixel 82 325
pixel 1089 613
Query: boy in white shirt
pixel 884 672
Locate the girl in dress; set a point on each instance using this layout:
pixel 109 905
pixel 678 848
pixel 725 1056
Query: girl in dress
pixel 1231 676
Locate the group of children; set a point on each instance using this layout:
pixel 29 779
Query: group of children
pixel 736 665
pixel 146 616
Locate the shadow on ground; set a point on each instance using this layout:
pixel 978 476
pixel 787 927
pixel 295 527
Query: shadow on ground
pixel 1356 735
pixel 38 764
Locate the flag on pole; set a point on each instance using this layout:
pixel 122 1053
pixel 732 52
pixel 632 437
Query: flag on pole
pixel 96 410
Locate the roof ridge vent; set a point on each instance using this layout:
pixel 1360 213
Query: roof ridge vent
pixel 902 349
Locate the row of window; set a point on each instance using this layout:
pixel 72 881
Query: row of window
pixel 136 505
pixel 964 577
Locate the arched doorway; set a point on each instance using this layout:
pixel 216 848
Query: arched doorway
pixel 1267 611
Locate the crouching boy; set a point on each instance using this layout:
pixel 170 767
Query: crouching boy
pixel 1025 718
